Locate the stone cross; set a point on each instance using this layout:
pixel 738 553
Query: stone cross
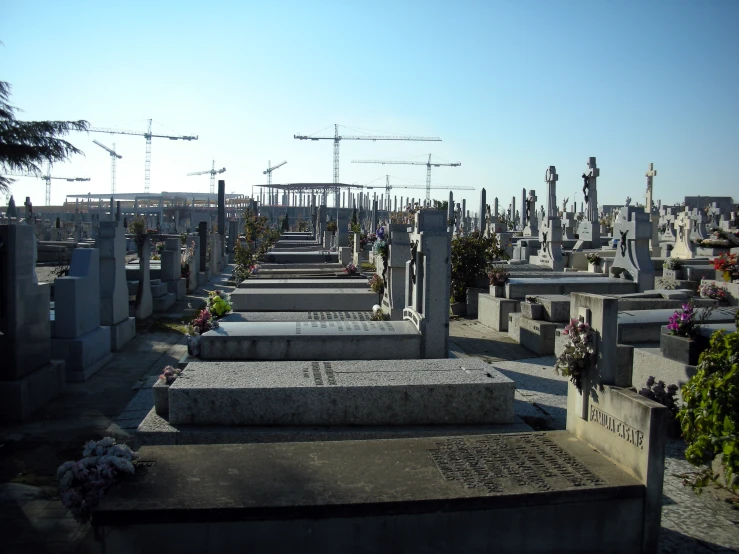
pixel 633 229
pixel 550 230
pixel 530 227
pixel 551 178
pixel 590 189
pixel 684 248
pixel 650 174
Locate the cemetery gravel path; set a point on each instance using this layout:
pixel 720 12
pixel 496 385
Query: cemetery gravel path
pixel 691 523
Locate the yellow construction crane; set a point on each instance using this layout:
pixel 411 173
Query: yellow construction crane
pixel 113 156
pixel 429 164
pixel 148 136
pixel 213 172
pixel 336 138
pixel 46 178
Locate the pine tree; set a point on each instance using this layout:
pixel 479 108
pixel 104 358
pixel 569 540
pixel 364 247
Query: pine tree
pixel 26 145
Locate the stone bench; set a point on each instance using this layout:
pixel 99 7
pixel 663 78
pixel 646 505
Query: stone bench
pixel 413 495
pixel 644 326
pixel 314 340
pixel 302 299
pixel 395 392
pixel 519 288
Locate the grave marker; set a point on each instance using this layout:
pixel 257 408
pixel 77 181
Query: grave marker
pixel 633 230
pixel 589 227
pixel 550 233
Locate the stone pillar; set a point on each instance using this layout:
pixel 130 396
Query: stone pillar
pixel 483 210
pixel 393 298
pixel 550 231
pixel 111 243
pixel 144 305
pixel 222 213
pixel 172 268
pixel 203 233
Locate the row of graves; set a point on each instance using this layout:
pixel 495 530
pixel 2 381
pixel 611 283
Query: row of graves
pixel 65 330
pixel 310 421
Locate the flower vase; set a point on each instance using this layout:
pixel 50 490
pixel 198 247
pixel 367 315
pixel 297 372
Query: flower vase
pixel 193 345
pixel 726 276
pixel 595 268
pixel 161 398
pixel 498 291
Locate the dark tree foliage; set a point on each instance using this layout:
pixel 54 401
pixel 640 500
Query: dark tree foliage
pixel 26 145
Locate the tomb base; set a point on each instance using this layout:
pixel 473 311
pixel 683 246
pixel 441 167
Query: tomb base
pixel 20 398
pixel 303 300
pixel 493 312
pixel 473 296
pixel 514 328
pixel 391 393
pixel 537 336
pixel 371 340
pixel 650 362
pixel 122 332
pixel 164 302
pixel 84 356
pixel 418 495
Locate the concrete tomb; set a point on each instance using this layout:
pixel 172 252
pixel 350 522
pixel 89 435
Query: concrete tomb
pixel 28 376
pixel 77 336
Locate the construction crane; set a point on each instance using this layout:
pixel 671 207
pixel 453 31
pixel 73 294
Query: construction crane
pixel 46 178
pixel 213 172
pixel 270 169
pixel 428 165
pixel 113 156
pixel 388 187
pixel 336 138
pixel 148 135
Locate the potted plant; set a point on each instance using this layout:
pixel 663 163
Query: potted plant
pixel 202 323
pixel 498 279
pixel 576 356
pixel 594 263
pixel 681 339
pixel 664 395
pixel 377 284
pixel 331 227
pixel 531 308
pixel 219 303
pixel 161 390
pixel 672 268
pixel 710 289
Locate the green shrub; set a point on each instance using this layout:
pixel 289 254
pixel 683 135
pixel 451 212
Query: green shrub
pixel 710 414
pixel 472 257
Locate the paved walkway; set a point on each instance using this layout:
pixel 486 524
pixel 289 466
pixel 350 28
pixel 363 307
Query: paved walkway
pixel 115 399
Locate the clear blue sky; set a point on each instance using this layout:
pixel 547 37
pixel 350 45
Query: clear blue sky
pixel 510 86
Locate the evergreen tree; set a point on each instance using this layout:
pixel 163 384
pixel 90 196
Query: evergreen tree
pixel 26 145
pixel 285 224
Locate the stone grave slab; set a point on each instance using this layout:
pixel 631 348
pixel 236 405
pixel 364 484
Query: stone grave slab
pixel 297 300
pixel 519 288
pixel 304 283
pixel 394 392
pixel 644 326
pixel 235 317
pixel 288 257
pixel 312 340
pixel 493 312
pixel 452 495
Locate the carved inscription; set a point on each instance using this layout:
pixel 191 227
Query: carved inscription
pixel 318 375
pixel 297 328
pixel 498 463
pixel 617 427
pixel 340 316
pixel 330 378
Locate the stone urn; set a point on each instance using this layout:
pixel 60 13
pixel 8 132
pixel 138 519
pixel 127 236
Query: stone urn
pixel 617 271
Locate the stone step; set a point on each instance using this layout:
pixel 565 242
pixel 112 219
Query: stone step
pixel 355 340
pixel 303 300
pixel 414 495
pixel 280 257
pixel 393 392
pixel 360 283
pixel 164 302
pixel 159 289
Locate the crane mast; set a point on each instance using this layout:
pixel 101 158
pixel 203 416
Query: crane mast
pixel 113 156
pixel 268 173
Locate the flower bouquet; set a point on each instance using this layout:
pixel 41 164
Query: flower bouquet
pixel 499 277
pixel 202 323
pixel 351 269
pixel 683 323
pixel 377 284
pixel 169 374
pixel 594 258
pixel 219 303
pixel 577 354
pixel 713 291
pixel 83 483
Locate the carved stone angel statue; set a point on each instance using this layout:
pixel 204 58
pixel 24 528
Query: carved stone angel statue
pixel 564 204
pixel 628 201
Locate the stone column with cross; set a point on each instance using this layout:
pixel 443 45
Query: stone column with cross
pixel 531 229
pixel 699 223
pixel 550 230
pixel 668 214
pixel 684 248
pixel 653 218
pixel 633 230
pixel 589 228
